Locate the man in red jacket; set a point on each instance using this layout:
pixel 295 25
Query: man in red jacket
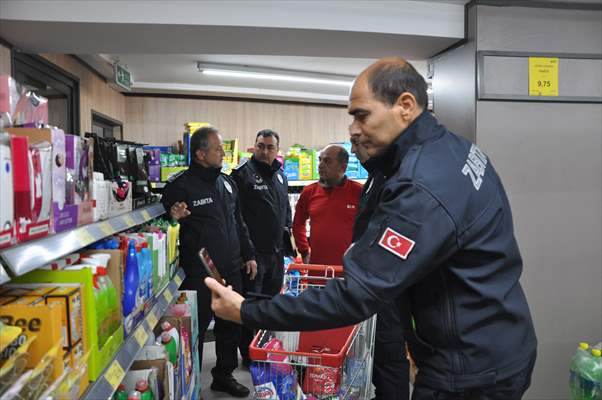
pixel 331 205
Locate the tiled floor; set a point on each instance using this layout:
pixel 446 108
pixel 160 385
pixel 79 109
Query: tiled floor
pixel 241 374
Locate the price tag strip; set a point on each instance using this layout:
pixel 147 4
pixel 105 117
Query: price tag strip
pixel 114 374
pixel 543 76
pixel 106 228
pixel 146 215
pixel 141 336
pixel 152 320
pixel 168 296
pixel 178 280
pixel 129 220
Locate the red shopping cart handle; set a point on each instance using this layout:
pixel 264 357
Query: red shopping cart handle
pixel 327 271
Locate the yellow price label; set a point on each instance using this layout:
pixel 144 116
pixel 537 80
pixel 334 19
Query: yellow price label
pixel 543 76
pixel 168 296
pixel 114 374
pixel 178 280
pixel 106 228
pixel 129 220
pixel 146 215
pixel 151 319
pixel 141 336
pixel 85 237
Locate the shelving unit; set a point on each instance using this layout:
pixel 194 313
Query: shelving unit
pixel 309 182
pixel 3 275
pixel 28 256
pixel 111 377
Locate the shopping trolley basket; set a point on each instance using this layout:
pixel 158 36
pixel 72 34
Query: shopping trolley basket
pixel 327 364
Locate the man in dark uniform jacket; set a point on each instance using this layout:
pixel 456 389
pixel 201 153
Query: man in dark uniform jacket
pixel 263 191
pixel 441 234
pixel 391 370
pixel 205 203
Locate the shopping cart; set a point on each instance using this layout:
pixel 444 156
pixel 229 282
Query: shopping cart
pixel 327 364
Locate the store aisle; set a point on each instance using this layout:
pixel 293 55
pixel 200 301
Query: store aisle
pixel 241 374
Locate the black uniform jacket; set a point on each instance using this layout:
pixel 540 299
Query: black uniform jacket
pixel 214 222
pixel 264 202
pixel 442 234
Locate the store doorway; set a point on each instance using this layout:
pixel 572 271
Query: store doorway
pixel 106 127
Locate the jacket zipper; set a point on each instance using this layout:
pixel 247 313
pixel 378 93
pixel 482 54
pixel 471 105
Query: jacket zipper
pixel 450 332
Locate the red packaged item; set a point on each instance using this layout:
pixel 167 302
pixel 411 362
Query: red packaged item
pixel 321 381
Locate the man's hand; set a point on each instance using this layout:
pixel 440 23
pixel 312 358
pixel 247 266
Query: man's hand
pixel 305 258
pixel 251 267
pixel 179 210
pixel 225 302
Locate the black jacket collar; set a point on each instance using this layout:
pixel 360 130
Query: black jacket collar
pixel 263 168
pixel 419 131
pixel 207 174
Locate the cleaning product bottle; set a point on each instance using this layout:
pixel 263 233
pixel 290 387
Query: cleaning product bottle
pixel 145 392
pixel 113 317
pixel 173 332
pixel 170 347
pixel 130 280
pixel 121 393
pixel 148 267
pixel 574 369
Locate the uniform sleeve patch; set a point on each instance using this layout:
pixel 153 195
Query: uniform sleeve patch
pixel 396 243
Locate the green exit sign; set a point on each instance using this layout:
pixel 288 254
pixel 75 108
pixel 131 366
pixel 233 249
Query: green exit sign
pixel 123 77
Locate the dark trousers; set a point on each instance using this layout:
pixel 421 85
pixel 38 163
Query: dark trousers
pixel 269 279
pixel 511 388
pixel 227 334
pixel 391 370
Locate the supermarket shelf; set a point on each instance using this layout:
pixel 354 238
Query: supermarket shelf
pixel 309 182
pixel 3 275
pixel 28 256
pixel 111 377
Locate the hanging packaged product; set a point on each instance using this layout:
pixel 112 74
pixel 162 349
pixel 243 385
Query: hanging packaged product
pixel 7 216
pixel 100 196
pixel 32 196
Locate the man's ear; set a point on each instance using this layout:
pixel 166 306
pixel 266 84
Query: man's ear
pixel 200 155
pixel 407 105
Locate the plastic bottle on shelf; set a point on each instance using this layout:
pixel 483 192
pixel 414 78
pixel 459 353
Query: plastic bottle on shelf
pixel 121 393
pixel 172 331
pixel 170 347
pixel 588 375
pixel 148 270
pixel 134 395
pixel 575 368
pixel 131 280
pixel 145 392
pixel 113 317
pixel 597 353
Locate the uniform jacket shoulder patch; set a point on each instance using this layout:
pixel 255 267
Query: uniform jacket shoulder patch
pixel 396 243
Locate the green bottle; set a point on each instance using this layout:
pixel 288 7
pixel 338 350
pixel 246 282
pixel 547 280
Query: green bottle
pixel 121 393
pixel 170 346
pixel 588 376
pixel 580 355
pixel 145 392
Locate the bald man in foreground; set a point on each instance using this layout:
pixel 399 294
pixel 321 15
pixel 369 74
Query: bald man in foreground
pixel 440 238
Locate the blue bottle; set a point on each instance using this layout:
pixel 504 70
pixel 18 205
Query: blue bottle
pixel 131 280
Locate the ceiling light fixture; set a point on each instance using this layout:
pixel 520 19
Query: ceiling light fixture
pixel 245 72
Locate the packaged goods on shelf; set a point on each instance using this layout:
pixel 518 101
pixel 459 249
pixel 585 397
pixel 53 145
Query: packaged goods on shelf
pixel 7 216
pixel 42 321
pixel 230 155
pixel 19 106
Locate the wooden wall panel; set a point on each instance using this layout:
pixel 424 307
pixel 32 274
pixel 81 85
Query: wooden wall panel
pixel 5 58
pixel 160 121
pixel 94 93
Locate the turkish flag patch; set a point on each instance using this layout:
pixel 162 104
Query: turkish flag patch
pixel 396 243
